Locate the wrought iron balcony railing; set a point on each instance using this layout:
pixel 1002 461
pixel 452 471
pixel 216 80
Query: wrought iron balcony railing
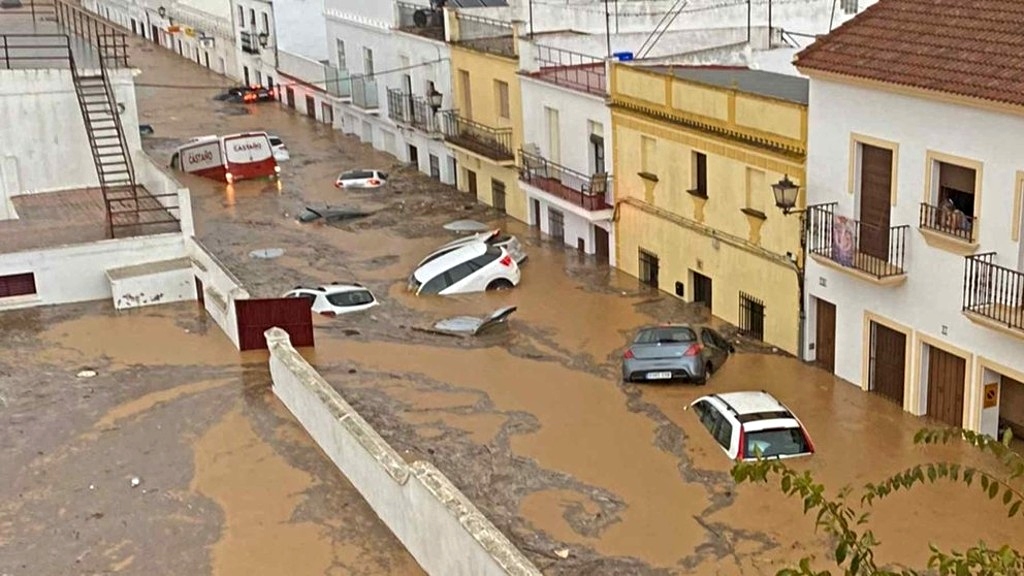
pixel 948 221
pixel 589 192
pixel 572 70
pixel 993 292
pixel 494 143
pixel 878 252
pixel 412 110
pixel 364 93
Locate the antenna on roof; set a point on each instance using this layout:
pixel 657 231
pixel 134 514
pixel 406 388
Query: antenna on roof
pixel 662 26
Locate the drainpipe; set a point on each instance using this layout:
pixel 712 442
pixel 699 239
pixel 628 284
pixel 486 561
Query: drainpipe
pixel 801 271
pixel 750 8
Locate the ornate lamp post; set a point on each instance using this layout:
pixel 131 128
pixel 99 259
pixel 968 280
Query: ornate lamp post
pixel 786 193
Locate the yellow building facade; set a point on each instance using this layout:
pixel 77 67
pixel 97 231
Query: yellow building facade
pixel 696 153
pixel 485 128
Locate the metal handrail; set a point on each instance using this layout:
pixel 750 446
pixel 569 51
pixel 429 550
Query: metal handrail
pixel 587 191
pixel 993 291
pixel 496 143
pixel 571 69
pixel 850 242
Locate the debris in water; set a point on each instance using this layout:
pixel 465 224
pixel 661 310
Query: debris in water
pixel 563 553
pixel 466 226
pixel 92 486
pixel 266 253
pixel 136 481
pixel 86 373
pixel 471 326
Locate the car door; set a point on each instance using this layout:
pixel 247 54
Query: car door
pixel 309 295
pixel 461 278
pixel 713 351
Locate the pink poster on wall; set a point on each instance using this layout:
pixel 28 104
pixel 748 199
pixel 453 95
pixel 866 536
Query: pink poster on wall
pixel 844 243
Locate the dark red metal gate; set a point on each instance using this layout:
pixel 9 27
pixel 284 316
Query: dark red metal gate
pixel 255 316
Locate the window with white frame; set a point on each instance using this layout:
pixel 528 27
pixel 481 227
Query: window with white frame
pixel 952 199
pixel 367 62
pixel 266 23
pixel 340 48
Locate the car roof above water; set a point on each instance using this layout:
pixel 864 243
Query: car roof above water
pixel 449 260
pixel 745 403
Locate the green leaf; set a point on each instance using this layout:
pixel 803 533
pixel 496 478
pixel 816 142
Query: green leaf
pixel 841 553
pixel 787 483
pixel 855 564
pixel 1014 509
pixel 984 482
pixel 1007 496
pixel 993 489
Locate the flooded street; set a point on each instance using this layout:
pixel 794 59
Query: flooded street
pixel 532 423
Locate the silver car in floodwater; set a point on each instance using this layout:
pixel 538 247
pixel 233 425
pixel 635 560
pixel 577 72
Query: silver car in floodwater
pixel 675 352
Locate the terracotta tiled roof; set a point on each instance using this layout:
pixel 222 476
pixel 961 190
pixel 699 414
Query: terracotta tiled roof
pixel 971 48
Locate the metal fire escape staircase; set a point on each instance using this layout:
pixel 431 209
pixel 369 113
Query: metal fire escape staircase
pixel 110 153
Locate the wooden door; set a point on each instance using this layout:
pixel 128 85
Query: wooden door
pixel 946 374
pixel 536 212
pixel 471 181
pixel 875 200
pixel 255 316
pixel 200 292
pixel 888 362
pixel 825 336
pixel 601 244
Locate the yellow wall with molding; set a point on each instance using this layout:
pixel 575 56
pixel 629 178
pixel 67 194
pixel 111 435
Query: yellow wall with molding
pixel 739 207
pixel 483 70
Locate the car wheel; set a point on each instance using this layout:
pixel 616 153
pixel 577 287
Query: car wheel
pixel 499 284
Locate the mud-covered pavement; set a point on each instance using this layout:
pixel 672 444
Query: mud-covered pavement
pixel 229 483
pixel 533 424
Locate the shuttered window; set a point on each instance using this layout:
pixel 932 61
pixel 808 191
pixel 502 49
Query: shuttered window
pixel 17 285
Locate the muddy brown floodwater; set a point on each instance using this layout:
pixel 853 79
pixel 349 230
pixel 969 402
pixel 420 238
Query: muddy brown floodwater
pixel 532 423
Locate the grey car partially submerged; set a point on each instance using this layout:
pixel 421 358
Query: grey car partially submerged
pixel 675 352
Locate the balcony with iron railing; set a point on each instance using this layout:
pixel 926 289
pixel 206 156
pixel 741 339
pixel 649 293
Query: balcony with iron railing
pixel 486 35
pixel 412 110
pixel 993 294
pixel 572 70
pixel 364 93
pixel 589 192
pixel 421 19
pixel 493 143
pixel 947 227
pixel 874 253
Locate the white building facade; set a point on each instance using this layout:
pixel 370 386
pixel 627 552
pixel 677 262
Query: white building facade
pixel 255 41
pixel 308 82
pixel 395 77
pixel 915 275
pixel 566 159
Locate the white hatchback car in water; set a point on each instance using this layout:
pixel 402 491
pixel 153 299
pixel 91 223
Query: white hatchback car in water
pixel 361 179
pixel 491 238
pixel 752 425
pixel 336 299
pixel 472 268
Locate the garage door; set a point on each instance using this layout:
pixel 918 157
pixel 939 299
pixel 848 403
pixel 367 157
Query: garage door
pixel 946 374
pixel 1011 406
pixel 888 362
pixel 256 316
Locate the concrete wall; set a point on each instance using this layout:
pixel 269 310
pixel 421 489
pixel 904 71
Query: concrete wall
pixel 152 283
pixel 301 27
pixel 78 273
pixel 159 182
pixel 220 288
pixel 442 530
pixel 39 111
pixel 928 304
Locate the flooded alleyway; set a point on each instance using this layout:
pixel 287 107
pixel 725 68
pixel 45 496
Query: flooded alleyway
pixel 532 423
pixel 95 402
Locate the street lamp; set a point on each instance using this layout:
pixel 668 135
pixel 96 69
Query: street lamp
pixel 786 193
pixel 263 39
pixel 162 11
pixel 435 99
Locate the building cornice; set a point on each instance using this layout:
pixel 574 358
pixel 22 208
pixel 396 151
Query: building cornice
pixel 363 21
pixel 724 132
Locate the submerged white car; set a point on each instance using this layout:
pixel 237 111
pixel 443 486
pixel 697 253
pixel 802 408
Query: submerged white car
pixel 361 179
pixel 281 153
pixel 336 299
pixel 491 238
pixel 752 425
pixel 472 268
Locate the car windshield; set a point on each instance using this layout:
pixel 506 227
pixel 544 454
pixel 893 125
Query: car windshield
pixel 675 334
pixel 775 442
pixel 357 175
pixel 353 298
pixel 275 141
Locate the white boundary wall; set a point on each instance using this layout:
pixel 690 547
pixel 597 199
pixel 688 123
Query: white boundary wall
pixel 220 288
pixel 442 529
